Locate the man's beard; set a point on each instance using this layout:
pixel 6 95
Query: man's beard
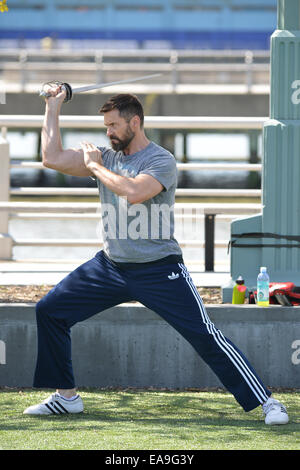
pixel 122 144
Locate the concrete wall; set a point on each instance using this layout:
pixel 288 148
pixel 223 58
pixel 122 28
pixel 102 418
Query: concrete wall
pixel 130 345
pixel 247 105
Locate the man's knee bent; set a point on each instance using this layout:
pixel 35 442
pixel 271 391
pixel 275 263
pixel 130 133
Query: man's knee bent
pixel 44 307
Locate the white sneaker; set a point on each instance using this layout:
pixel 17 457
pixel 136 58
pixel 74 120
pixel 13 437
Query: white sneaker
pixel 56 405
pixel 275 412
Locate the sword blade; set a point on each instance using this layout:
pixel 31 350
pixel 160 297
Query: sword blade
pixel 97 86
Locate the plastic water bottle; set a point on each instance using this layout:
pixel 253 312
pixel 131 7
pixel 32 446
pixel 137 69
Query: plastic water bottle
pixel 263 294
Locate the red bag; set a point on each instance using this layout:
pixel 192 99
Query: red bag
pixel 281 293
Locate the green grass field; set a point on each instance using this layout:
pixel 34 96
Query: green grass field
pixel 146 420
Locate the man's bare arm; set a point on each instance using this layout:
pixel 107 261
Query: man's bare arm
pixel 68 161
pixel 136 190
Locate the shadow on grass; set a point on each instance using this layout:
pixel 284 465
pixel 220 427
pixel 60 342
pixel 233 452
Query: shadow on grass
pixel 173 413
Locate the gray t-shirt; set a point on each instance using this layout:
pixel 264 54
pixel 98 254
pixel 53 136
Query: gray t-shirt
pixel 139 233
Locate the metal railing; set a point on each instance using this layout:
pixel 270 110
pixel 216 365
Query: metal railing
pixel 208 211
pixel 94 55
pixel 43 210
pixel 151 122
pixel 27 67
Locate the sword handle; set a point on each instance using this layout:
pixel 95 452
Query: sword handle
pixel 69 93
pixel 66 87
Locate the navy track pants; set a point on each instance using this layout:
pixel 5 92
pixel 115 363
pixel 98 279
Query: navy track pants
pixel 100 284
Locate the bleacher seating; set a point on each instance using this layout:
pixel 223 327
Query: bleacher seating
pixel 179 24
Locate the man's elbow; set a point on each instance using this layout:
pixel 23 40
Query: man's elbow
pixel 48 161
pixel 134 196
pixel 138 197
pixel 135 199
pixel 139 194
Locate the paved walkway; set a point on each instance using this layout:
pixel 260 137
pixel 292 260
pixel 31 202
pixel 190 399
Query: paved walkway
pixel 50 273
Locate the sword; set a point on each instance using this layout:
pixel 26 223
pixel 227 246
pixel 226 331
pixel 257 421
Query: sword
pixel 97 86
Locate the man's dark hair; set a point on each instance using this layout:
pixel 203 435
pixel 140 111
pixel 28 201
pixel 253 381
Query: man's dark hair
pixel 127 104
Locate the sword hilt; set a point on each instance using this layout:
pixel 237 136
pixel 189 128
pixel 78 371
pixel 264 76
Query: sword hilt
pixel 67 88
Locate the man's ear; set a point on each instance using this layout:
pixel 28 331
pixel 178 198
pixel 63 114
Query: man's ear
pixel 135 122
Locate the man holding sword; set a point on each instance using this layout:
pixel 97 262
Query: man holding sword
pixel 134 173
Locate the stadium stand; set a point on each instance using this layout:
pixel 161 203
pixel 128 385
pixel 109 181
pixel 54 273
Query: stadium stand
pixel 147 24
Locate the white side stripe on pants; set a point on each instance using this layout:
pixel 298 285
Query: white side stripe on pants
pixel 231 353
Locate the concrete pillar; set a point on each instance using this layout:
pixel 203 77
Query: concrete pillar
pixel 269 243
pixel 5 239
pixel 253 177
